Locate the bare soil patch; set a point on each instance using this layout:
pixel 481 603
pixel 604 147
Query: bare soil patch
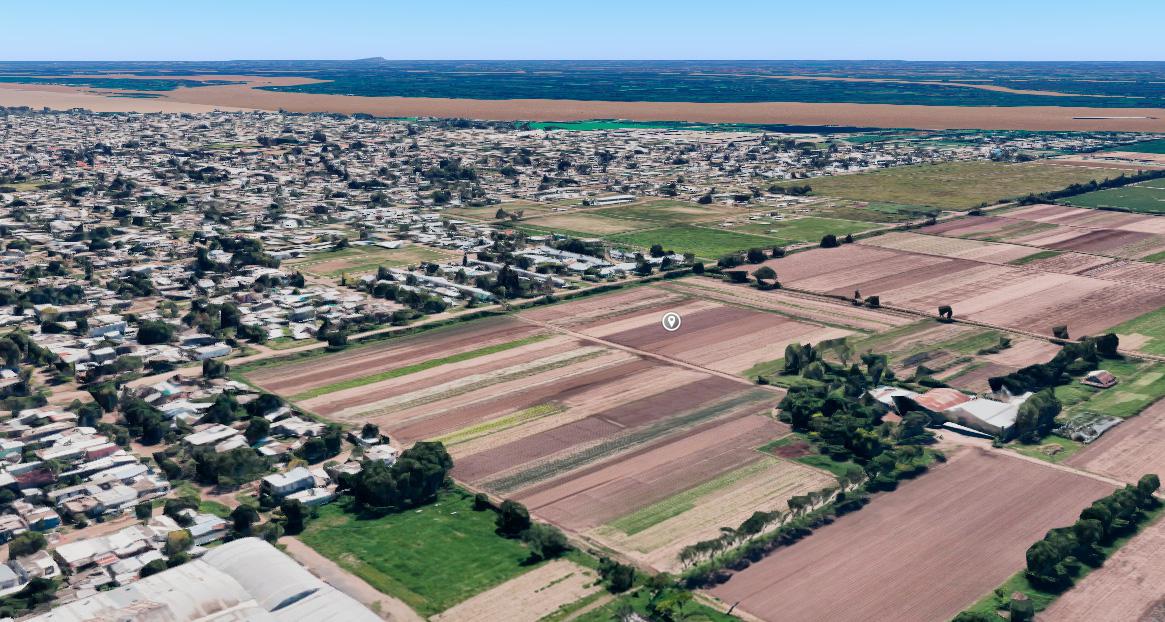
pixel 766 485
pixel 1127 588
pixel 1017 297
pixel 529 597
pixel 1132 449
pixel 298 376
pixel 946 538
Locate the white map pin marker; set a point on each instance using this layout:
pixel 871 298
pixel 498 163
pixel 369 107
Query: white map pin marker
pixel 671 321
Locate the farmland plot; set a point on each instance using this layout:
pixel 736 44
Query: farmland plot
pixel 714 336
pixel 580 431
pixel 655 534
pixel 796 306
pixel 1122 236
pixel 529 597
pixel 1126 588
pixel 1130 450
pixel 951 352
pixel 1017 297
pixel 586 222
pixel 953 185
pixel 945 539
pixel 987 252
pixel 723 334
pixel 360 361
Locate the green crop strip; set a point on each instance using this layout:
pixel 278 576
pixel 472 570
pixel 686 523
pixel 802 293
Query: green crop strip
pixel 418 367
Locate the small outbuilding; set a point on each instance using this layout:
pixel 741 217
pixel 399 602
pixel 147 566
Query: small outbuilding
pixel 1100 379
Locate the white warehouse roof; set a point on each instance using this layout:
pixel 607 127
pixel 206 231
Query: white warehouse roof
pixel 246 580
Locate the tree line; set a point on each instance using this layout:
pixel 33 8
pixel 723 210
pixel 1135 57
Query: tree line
pixel 1092 186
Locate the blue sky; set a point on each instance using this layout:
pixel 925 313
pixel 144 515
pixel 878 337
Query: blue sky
pixel 588 29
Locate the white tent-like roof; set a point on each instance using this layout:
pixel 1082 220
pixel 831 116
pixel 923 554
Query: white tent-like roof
pixel 246 580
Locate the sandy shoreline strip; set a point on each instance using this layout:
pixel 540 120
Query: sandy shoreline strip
pixel 67 99
pixel 243 96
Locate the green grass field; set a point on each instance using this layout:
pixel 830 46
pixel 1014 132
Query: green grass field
pixel 815 460
pixel 1148 146
pixel 1146 197
pixel 1068 448
pixel 807 229
pixel 431 558
pixel 1150 325
pixel 953 185
pixel 358 259
pixel 704 242
pixel 1022 261
pixel 667 212
pixel 214 507
pixel 765 368
pixel 878 212
pixel 1141 384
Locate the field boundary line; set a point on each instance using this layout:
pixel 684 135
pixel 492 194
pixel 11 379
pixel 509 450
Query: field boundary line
pixel 644 354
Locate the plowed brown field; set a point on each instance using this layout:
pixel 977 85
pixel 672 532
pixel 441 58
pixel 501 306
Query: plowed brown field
pixel 367 360
pixel 1130 450
pixel 1127 588
pixel 1017 297
pixel 921 553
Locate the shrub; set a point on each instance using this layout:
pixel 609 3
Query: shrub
pixel 513 518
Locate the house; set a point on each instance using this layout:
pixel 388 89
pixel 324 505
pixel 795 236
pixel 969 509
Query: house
pixel 300 314
pixel 246 579
pixel 938 400
pixel 10 448
pixel 314 496
pixel 1100 379
pixel 39 517
pixel 210 435
pixel 294 426
pixel 381 453
pixel 613 199
pixel 282 484
pixel 205 528
pixel 11 526
pixel 39 565
pixel 211 352
pixel 102 325
pixel 10 582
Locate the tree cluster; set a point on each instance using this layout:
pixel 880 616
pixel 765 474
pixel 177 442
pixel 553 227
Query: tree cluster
pixel 412 480
pixel 544 541
pixel 1073 359
pixel 1091 186
pixel 1054 561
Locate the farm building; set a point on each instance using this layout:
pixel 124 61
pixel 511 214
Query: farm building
pixel 989 416
pixel 1100 379
pixel 283 484
pixel 945 405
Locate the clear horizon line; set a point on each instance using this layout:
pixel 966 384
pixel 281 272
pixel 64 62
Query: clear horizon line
pixel 600 60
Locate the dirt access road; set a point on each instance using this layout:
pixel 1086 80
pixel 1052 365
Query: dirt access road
pixel 386 606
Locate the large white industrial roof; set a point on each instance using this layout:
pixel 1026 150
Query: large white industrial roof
pixel 246 580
